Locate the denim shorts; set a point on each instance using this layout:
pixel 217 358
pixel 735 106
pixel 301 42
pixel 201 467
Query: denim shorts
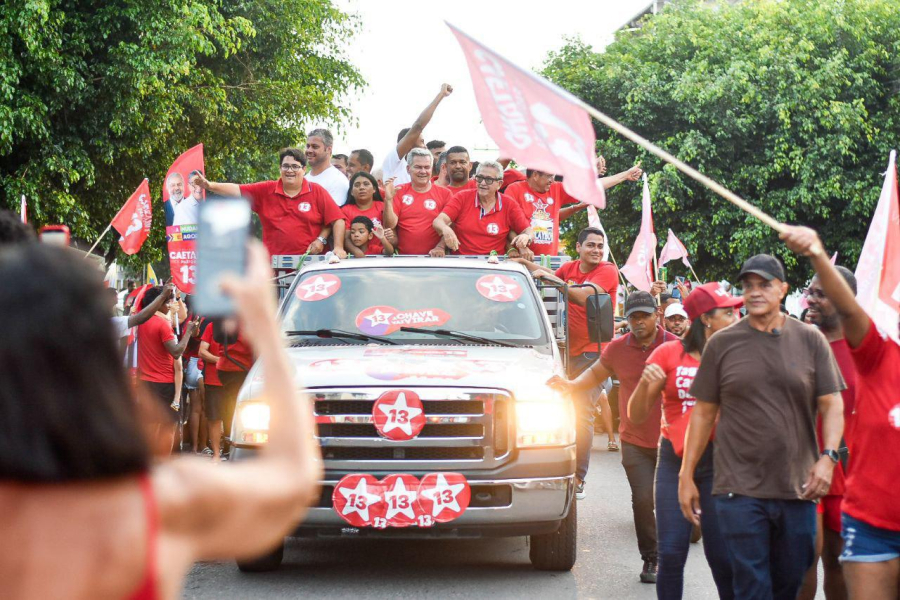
pixel 192 374
pixel 866 543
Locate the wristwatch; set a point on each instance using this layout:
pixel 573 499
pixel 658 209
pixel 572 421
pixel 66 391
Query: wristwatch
pixel 832 454
pixel 321 239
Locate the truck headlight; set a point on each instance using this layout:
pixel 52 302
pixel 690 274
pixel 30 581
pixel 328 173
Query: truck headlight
pixel 253 423
pixel 545 423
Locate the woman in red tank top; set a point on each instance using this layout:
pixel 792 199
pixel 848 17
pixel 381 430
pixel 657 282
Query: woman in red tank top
pixel 93 516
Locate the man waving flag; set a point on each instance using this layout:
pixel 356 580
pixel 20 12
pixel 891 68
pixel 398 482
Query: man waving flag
pixel 543 126
pixel 134 219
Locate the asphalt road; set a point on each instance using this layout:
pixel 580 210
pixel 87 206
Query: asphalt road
pixel 608 561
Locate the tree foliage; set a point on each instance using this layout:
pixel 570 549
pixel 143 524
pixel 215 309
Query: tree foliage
pixel 95 96
pixel 793 104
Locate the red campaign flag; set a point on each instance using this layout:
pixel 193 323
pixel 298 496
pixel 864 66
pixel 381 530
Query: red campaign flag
pixel 182 243
pixel 177 190
pixel 134 219
pixel 539 124
pixel 673 250
pixel 878 269
pixel 639 268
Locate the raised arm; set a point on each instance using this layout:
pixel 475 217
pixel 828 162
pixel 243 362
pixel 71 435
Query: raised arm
pixel 222 189
pixel 408 141
pixel 806 242
pixel 632 174
pixel 389 217
pixel 247 508
pixel 176 349
pixel 139 318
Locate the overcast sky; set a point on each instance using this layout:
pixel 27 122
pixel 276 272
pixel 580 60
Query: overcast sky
pixel 405 52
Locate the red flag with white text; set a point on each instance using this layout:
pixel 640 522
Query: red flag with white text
pixel 673 250
pixel 539 124
pixel 639 268
pixel 134 219
pixel 878 269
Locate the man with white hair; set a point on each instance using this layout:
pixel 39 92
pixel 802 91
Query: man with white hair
pixel 410 208
pixel 478 221
pixel 179 210
pixel 395 162
pixel 319 143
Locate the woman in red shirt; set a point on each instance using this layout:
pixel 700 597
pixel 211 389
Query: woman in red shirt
pixel 670 370
pixel 364 200
pixel 87 513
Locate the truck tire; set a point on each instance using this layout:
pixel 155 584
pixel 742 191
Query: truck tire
pixel 556 551
pixel 266 562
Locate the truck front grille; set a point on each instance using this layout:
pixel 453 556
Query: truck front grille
pixel 464 429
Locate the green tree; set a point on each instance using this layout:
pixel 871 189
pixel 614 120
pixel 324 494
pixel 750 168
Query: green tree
pixel 793 104
pixel 95 96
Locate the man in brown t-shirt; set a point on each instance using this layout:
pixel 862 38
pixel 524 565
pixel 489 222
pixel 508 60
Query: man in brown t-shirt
pixel 765 377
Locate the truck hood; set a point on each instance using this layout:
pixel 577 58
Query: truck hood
pixel 518 370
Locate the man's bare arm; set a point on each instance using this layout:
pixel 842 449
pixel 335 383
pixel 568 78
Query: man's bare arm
pixel 408 141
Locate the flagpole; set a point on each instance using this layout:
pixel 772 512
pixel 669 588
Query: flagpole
pixel 694 273
pixel 102 235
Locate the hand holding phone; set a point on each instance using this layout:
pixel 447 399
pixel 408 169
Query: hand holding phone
pixel 222 233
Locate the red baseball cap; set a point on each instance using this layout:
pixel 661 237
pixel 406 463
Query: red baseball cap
pixel 707 297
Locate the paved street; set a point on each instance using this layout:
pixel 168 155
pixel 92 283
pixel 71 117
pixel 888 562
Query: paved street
pixel 608 562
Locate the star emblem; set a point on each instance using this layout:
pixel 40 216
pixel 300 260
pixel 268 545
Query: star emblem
pixel 359 500
pixel 319 286
pixel 444 496
pixel 379 318
pixel 399 414
pixel 539 205
pixel 498 287
pixel 400 501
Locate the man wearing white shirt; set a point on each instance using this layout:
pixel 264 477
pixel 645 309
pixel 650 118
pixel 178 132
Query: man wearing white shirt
pixel 319 143
pixel 395 162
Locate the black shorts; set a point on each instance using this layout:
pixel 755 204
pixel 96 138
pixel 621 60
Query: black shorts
pixel 162 395
pixel 231 385
pixel 213 402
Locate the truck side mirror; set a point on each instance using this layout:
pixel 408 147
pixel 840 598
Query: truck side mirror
pixel 599 310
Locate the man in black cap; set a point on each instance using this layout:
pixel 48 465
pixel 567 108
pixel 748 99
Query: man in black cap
pixel 623 359
pixel 764 378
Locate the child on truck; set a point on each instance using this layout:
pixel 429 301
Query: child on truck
pixel 368 239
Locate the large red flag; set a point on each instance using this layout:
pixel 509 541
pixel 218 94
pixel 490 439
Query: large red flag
pixel 539 124
pixel 673 250
pixel 191 160
pixel 878 269
pixel 639 268
pixel 134 219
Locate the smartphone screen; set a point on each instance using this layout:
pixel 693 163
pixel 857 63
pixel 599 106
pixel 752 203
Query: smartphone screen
pixel 222 232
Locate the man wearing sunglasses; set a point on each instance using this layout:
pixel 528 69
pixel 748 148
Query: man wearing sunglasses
pixel 478 221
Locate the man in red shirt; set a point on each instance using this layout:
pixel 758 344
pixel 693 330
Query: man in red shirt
pixel 546 203
pixel 624 359
pixel 157 351
pixel 296 215
pixel 870 520
pixel 478 221
pixel 411 208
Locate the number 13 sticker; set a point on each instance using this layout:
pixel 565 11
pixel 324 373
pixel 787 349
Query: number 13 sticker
pixel 399 415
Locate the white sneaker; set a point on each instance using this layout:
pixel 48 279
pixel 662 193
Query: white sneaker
pixel 580 494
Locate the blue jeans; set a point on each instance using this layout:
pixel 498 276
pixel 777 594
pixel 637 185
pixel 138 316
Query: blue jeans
pixel 771 544
pixel 673 531
pixel 584 413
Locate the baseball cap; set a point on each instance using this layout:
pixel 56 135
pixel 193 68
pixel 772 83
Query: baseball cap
pixel 765 265
pixel 675 309
pixel 707 297
pixel 639 302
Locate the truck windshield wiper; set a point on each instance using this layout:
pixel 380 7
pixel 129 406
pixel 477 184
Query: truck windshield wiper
pixel 344 335
pixel 458 335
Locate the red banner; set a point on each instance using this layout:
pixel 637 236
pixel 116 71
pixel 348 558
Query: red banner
pixel 181 202
pixel 639 269
pixel 540 125
pixel 134 219
pixel 181 242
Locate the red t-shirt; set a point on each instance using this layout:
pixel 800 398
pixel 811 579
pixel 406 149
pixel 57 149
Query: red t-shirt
pixel 680 368
pixel 239 351
pixel 416 213
pixel 154 361
pixel 511 176
pixel 844 359
pixel 291 224
pixel 469 185
pixel 625 359
pixel 374 212
pixel 481 233
pixel 543 210
pixel 871 494
pixel 210 373
pixel 604 275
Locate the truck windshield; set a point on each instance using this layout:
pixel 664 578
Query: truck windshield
pixel 498 305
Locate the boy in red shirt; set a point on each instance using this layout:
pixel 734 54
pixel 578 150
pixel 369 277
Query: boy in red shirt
pixel 367 239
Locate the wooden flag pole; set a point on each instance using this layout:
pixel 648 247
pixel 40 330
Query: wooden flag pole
pixel 694 273
pixel 102 235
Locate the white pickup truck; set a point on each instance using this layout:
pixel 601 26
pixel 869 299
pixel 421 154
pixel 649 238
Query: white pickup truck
pixel 428 382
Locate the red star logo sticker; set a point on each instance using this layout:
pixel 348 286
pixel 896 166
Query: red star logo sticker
pixel 318 287
pixel 499 288
pixel 444 496
pixel 399 415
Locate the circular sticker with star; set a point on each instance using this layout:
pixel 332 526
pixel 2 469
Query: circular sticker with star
pixel 399 415
pixel 499 288
pixel 359 500
pixel 318 287
pixel 444 496
pixel 401 493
